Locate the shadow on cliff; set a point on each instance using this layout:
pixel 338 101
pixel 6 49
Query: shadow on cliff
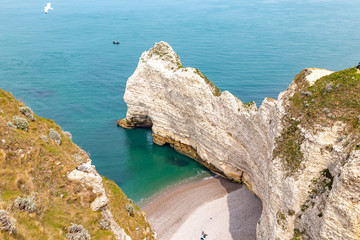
pixel 245 211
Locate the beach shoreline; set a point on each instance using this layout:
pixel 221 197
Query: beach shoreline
pixel 145 202
pixel 214 205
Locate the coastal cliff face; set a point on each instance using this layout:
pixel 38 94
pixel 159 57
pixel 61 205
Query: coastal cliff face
pixel 50 190
pixel 298 154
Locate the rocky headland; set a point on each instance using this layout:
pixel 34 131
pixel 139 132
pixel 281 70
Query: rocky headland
pixel 49 188
pixel 299 154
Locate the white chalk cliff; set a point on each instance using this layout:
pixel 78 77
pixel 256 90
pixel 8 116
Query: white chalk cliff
pixel 316 199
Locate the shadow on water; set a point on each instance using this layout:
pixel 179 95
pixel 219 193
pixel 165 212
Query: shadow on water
pixel 245 210
pixel 138 137
pixel 153 168
pixel 176 161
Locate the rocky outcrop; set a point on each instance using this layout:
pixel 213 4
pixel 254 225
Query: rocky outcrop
pixel 88 176
pixel 114 227
pixel 300 169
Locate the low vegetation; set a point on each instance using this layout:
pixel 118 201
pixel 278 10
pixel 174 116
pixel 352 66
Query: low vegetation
pixel 215 90
pixel 130 209
pixel 20 123
pixel 27 203
pixel 332 98
pixel 7 223
pixel 27 113
pixel 162 50
pixel 288 147
pixel 335 97
pixel 77 232
pixel 117 204
pixel 297 234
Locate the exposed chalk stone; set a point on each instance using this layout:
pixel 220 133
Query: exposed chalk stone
pixel 314 74
pixel 84 167
pixel 307 93
pixel 114 227
pixel 91 178
pixel 68 135
pixel 134 123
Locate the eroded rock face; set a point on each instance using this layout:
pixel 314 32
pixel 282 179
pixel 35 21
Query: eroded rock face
pixel 87 175
pixel 237 140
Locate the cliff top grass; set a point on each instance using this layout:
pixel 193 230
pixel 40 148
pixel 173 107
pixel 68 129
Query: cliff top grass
pixel 335 97
pixel 214 89
pixel 166 53
pixel 31 165
pixel 332 98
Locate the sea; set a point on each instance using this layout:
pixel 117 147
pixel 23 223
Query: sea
pixel 65 67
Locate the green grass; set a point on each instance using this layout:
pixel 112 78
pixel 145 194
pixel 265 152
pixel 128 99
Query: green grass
pixel 297 234
pixel 342 103
pixel 288 147
pixel 215 90
pixel 249 104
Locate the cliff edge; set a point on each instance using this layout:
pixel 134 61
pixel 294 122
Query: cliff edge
pixel 49 188
pixel 299 154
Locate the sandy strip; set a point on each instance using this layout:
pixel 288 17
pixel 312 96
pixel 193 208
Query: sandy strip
pixel 222 209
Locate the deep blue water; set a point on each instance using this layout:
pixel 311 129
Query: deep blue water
pixel 65 67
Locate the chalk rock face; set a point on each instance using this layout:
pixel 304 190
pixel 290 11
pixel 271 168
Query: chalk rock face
pixel 87 175
pixel 114 227
pixel 185 110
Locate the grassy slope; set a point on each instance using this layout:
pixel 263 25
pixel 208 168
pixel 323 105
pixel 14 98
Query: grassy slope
pixel 322 109
pixel 42 170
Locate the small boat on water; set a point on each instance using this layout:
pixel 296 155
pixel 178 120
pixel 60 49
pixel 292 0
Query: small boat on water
pixel 116 42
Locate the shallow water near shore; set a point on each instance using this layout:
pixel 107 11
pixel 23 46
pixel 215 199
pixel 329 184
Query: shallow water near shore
pixel 65 67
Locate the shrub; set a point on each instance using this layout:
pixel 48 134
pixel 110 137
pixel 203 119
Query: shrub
pixel 20 123
pixel 7 223
pixel 77 232
pixel 27 203
pixel 55 136
pixel 288 147
pixel 130 209
pixel 104 224
pixel 27 113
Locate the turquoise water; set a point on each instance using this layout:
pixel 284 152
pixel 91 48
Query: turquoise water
pixel 65 67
